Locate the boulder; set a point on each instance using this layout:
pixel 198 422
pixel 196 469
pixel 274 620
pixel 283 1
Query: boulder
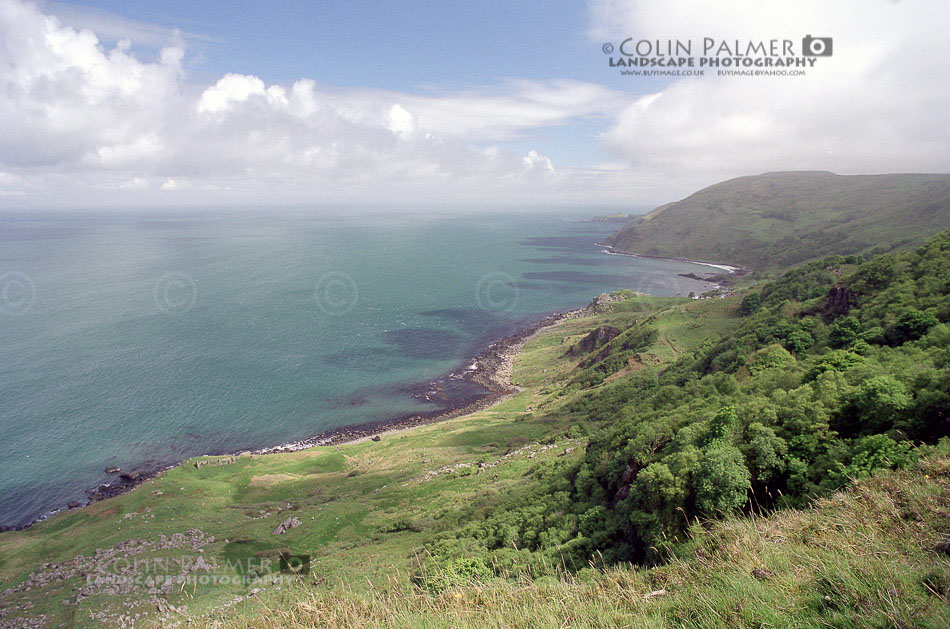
pixel 286 525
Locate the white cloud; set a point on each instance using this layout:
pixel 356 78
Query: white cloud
pixel 533 160
pixel 81 120
pixel 85 117
pixel 401 121
pixel 231 88
pixel 65 99
pixel 878 104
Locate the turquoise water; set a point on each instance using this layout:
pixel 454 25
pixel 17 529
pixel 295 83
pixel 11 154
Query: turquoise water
pixel 143 339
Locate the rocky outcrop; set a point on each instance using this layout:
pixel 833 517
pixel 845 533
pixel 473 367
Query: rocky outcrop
pixel 227 460
pixel 596 338
pixel 286 525
pixel 839 302
pixel 112 571
pixel 605 301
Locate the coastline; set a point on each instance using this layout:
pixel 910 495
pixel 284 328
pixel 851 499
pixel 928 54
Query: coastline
pixel 490 369
pixel 729 268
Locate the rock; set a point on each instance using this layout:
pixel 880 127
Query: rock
pixel 604 301
pixel 113 470
pixel 286 525
pixel 603 334
pixel 838 302
pixel 72 504
pixel 131 477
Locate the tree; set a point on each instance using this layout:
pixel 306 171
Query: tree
pixel 844 332
pixel 875 452
pixel 765 451
pixel 874 406
pixel 722 479
pixel 750 303
pixel 798 342
pixel 771 357
pixel 837 360
pixel 911 324
pixel 721 424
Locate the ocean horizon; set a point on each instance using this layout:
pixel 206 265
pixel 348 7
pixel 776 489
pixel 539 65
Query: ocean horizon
pixel 136 340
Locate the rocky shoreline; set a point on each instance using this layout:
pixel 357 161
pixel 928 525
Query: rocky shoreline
pixel 491 369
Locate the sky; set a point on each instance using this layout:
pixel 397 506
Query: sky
pixel 417 103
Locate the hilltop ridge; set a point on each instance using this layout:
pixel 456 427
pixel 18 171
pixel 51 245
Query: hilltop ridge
pixel 776 220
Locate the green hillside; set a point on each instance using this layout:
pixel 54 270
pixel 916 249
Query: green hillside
pixel 776 220
pixel 773 458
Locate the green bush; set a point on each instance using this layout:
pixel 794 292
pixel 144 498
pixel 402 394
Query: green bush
pixel 721 480
pixel 750 303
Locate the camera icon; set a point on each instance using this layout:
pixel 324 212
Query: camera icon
pixel 816 46
pixel 295 564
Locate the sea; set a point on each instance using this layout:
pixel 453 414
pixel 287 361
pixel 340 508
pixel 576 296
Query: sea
pixel 142 338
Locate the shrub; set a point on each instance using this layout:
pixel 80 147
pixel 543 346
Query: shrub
pixel 911 324
pixel 722 480
pixel 844 332
pixel 750 303
pixel 875 452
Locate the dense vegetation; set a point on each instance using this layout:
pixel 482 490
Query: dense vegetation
pixel 777 220
pixel 838 369
pixel 871 556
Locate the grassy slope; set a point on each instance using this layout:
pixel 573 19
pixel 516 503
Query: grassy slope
pixel 365 507
pixel 776 220
pixel 874 554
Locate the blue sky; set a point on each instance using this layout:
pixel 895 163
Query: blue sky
pixel 113 103
pixel 392 45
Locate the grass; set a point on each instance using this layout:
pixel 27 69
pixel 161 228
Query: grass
pixel 777 220
pixel 874 555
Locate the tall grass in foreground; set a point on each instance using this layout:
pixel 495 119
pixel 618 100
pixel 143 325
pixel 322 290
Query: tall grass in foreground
pixel 874 555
